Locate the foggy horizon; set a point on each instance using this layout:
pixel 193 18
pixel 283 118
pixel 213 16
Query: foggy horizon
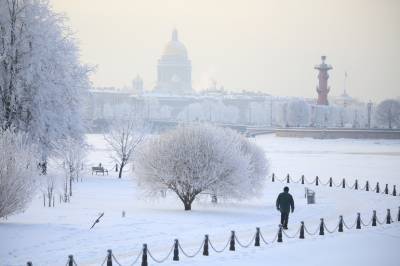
pixel 265 46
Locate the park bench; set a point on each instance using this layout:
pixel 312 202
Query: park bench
pixel 99 169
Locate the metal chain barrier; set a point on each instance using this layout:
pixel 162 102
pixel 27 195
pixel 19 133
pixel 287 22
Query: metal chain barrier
pixel 194 254
pixel 289 236
pixel 368 224
pixel 379 221
pixel 104 261
pixel 349 227
pixel 137 258
pixel 309 183
pixel 263 239
pixel 163 259
pixel 325 184
pixel 311 234
pixel 216 250
pixel 115 259
pixel 248 245
pixel 331 231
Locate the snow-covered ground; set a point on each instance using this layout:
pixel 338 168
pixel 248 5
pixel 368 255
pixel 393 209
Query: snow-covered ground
pixel 47 235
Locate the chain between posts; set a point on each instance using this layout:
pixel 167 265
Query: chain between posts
pixel 194 254
pixel 137 258
pixel 311 234
pixel 163 259
pixel 248 245
pixel 293 236
pixel 216 250
pixel 257 236
pixel 343 184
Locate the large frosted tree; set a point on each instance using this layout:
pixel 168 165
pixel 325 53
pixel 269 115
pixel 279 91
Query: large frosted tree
pixel 201 158
pixel 42 82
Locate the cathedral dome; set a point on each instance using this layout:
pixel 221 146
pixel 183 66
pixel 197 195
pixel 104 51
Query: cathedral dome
pixel 174 48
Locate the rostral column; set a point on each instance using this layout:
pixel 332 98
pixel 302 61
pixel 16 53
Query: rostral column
pixel 322 87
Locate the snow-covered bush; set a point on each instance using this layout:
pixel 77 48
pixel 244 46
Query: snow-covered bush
pixel 18 170
pixel 195 158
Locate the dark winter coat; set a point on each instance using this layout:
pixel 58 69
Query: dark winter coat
pixel 284 202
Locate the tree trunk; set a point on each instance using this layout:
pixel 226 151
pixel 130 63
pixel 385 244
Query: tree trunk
pixel 188 206
pixel 43 167
pixel 70 186
pixel 120 170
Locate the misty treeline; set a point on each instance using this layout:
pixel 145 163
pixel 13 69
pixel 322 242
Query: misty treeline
pixel 201 158
pixel 270 111
pixel 42 86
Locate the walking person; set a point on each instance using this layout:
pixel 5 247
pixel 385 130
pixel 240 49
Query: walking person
pixel 285 204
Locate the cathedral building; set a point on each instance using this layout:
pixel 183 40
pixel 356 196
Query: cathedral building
pixel 174 70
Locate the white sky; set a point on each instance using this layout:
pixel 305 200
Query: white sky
pixel 270 46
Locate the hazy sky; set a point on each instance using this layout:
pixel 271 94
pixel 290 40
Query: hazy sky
pixel 270 46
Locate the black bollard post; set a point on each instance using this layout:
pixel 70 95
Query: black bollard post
pixel 302 230
pixel 394 191
pixel 302 179
pixel 273 177
pixel 29 263
pixel 176 250
pixel 144 255
pixel 358 223
pixel 356 185
pixel 374 218
pixel 232 242
pixel 367 186
pixel 340 223
pixel 386 189
pixel 330 181
pixel 316 180
pixel 321 227
pixel 388 217
pixel 287 178
pixel 280 240
pixel 205 247
pixel 344 183
pixel 398 215
pixel 109 257
pixel 377 187
pixel 257 239
pixel 70 260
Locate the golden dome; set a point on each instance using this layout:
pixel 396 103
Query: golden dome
pixel 175 48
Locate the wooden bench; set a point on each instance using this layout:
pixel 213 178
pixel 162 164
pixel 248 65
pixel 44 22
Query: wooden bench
pixel 99 169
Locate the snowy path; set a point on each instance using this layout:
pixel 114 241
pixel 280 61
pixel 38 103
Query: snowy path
pixel 47 235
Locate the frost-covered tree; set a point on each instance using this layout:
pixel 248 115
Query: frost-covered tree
pixel 298 113
pixel 50 184
pixel 18 170
pixel 42 82
pixel 71 153
pixel 123 140
pixel 195 158
pixel 388 113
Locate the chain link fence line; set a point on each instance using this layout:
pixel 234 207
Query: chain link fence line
pixel 233 239
pixel 343 184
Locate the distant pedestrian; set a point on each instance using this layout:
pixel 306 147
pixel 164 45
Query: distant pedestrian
pixel 285 203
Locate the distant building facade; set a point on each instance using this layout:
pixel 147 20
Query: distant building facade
pixel 174 70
